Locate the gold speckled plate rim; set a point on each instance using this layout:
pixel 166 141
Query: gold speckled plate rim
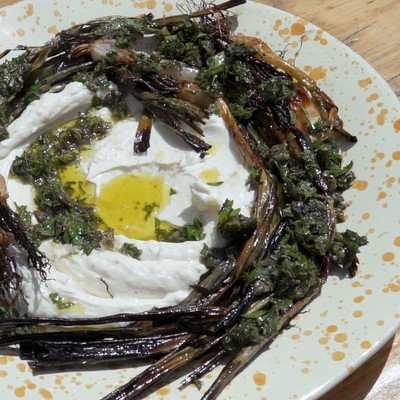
pixel 352 319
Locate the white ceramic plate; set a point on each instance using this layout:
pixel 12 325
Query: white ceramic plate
pixel 352 319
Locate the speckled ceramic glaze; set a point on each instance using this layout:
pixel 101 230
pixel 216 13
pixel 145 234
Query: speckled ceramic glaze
pixel 353 317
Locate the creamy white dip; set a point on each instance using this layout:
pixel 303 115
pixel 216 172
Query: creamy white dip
pixel 108 282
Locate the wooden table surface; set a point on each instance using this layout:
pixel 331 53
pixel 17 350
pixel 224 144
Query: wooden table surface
pixel 372 29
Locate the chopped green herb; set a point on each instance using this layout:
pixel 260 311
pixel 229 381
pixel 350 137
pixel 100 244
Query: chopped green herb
pixel 104 93
pixel 219 183
pixel 129 249
pixel 26 215
pixel 186 43
pixel 194 231
pixel 197 383
pixel 148 209
pixel 71 226
pixel 189 232
pixel 11 75
pixel 63 219
pixel 250 331
pixel 60 302
pixel 254 173
pixel 277 90
pixel 227 212
pixel 232 224
pixel 319 127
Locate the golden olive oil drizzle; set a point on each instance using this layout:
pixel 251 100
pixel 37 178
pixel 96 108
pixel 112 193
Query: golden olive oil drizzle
pixel 128 203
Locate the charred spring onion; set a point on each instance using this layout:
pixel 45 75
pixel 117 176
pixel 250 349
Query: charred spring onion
pixel 275 262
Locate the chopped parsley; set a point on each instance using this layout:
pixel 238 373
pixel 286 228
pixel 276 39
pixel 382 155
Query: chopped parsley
pixel 189 232
pixel 60 302
pixel 129 249
pixel 60 217
pixel 232 225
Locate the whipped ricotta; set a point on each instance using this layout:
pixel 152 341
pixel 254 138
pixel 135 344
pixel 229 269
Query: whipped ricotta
pixel 108 282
